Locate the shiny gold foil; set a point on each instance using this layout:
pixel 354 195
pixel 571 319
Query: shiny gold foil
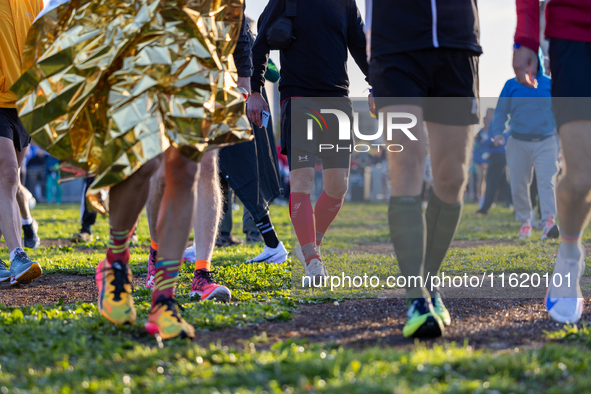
pixel 111 84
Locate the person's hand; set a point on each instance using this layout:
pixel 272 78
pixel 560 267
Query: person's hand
pixel 254 106
pixel 525 64
pixel 244 83
pixel 499 140
pixel 372 105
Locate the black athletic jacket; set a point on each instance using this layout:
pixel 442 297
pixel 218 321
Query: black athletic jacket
pixel 242 52
pixel 315 65
pixel 407 25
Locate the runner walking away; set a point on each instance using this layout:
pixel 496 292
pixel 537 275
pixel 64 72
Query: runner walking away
pixel 87 216
pixel 26 202
pixel 315 65
pixel 16 18
pixel 418 50
pixel 225 237
pixel 567 27
pixel 480 159
pixel 251 171
pixel 532 145
pixel 497 186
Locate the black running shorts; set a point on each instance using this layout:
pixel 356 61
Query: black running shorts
pixel 443 81
pixel 570 63
pixel 12 128
pixel 302 155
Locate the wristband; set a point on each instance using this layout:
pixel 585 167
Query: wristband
pixel 516 46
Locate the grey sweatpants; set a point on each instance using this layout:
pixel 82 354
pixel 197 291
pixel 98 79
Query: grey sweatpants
pixel 522 158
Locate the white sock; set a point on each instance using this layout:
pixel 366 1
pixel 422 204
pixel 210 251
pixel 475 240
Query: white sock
pixel 571 250
pixel 27 221
pixel 14 252
pixel 570 247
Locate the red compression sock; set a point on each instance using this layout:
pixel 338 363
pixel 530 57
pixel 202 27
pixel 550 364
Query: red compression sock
pixel 325 212
pixel 302 218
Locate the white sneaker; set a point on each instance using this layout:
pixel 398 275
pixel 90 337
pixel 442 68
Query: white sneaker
pixel 189 254
pixel 300 255
pixel 565 302
pixel 315 269
pixel 525 231
pixel 275 255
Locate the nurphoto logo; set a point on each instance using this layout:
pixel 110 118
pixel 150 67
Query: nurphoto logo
pixel 402 121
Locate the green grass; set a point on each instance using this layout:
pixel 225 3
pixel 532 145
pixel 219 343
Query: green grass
pixel 67 349
pixel 70 349
pixel 361 224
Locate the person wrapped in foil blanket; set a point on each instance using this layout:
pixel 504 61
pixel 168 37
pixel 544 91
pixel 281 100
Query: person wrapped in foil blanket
pixel 108 85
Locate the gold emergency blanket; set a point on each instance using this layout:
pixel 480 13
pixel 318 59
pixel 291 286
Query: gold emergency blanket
pixel 111 84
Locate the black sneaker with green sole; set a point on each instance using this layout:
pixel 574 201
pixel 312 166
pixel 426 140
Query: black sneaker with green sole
pixel 422 322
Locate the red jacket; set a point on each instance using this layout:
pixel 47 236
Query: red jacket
pixel 567 19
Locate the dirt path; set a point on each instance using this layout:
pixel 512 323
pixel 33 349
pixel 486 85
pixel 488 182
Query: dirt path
pixel 490 323
pixel 49 289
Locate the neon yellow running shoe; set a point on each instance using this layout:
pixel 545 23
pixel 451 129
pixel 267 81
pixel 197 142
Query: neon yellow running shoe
pixel 440 310
pixel 115 302
pixel 165 319
pixel 422 322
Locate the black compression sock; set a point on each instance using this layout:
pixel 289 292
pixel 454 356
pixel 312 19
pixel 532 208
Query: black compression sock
pixel 407 229
pixel 268 232
pixel 443 220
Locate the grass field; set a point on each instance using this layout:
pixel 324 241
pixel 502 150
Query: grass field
pixel 68 348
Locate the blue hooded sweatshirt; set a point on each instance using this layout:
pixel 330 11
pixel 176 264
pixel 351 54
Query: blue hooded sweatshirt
pixel 529 109
pixel 480 150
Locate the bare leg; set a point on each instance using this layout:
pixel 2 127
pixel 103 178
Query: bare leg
pixel 573 191
pixel 564 300
pixel 209 207
pixel 302 180
pixel 406 168
pixel 177 211
pixel 451 153
pixel 157 185
pixel 336 182
pixel 127 199
pixel 23 201
pixel 10 160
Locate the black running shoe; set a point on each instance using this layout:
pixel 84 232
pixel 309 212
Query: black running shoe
pixel 224 240
pixel 30 238
pixel 422 322
pixel 254 237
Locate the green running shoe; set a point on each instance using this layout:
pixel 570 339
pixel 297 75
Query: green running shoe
pixel 422 322
pixel 440 310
